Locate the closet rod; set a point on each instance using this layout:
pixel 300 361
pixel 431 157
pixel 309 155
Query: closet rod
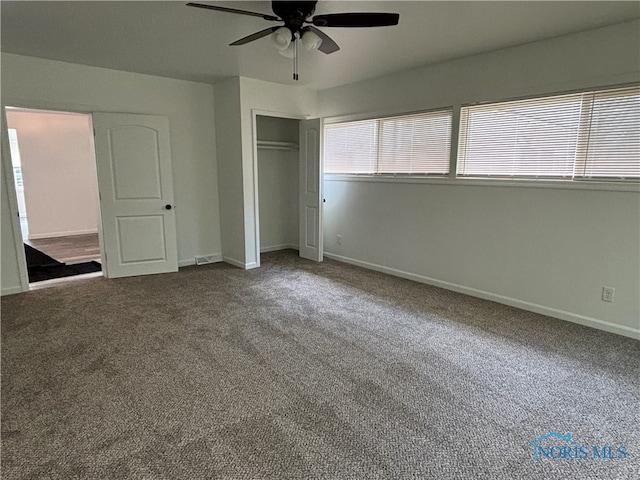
pixel 272 145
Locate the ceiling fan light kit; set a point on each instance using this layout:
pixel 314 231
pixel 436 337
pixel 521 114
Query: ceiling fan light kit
pixel 290 51
pixel 295 15
pixel 311 40
pixel 281 38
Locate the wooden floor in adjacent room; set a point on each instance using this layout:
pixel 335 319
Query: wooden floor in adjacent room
pixel 71 249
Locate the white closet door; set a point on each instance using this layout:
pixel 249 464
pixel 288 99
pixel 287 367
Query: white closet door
pixel 311 189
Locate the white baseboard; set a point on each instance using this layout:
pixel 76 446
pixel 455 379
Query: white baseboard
pixel 215 258
pixel 239 264
pixel 513 302
pixel 233 261
pixel 275 248
pixel 38 236
pixel 218 257
pixel 10 291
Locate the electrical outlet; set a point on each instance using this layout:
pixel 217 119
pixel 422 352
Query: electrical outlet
pixel 339 239
pixel 607 294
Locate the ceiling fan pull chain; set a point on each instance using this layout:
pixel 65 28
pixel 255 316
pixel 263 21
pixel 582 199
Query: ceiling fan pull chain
pixel 295 59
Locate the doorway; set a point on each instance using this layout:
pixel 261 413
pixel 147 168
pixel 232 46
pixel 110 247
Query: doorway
pixel 54 165
pixel 299 143
pixel 278 178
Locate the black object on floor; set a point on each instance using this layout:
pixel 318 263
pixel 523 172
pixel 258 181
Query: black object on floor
pixel 39 274
pixel 41 266
pixel 36 258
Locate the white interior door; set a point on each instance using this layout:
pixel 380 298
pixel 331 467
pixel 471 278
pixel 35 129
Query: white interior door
pixel 136 194
pixel 311 189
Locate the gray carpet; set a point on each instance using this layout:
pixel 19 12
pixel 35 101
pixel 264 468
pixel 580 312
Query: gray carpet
pixel 302 370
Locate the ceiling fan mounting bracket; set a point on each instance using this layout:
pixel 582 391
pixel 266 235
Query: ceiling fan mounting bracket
pixel 294 14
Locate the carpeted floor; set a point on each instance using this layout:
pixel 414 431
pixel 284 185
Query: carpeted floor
pixel 305 371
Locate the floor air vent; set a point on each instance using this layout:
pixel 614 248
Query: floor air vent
pixel 204 260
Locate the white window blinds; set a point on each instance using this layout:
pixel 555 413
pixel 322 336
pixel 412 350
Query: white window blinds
pixel 409 144
pixel 577 136
pixel 351 147
pixel 613 147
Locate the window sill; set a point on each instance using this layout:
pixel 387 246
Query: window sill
pixel 489 182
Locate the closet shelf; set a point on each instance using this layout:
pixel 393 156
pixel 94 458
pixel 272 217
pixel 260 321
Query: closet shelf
pixel 272 145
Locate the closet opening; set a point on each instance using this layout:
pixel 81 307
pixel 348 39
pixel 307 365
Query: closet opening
pixel 278 182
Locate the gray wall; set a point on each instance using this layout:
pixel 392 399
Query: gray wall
pixel 229 154
pixel 544 248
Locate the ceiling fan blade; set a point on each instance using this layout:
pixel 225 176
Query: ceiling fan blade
pixel 328 45
pixel 255 36
pixel 356 20
pixel 234 10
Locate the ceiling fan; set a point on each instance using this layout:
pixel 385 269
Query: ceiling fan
pixel 299 24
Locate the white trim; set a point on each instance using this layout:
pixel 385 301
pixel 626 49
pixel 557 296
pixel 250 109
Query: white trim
pixel 9 184
pixel 215 258
pixel 256 184
pixel 61 234
pixel 513 302
pixel 476 182
pixel 282 246
pixel 64 280
pixel 11 291
pixel 233 261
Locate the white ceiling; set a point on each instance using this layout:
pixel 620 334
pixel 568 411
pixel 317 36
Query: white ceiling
pixel 167 38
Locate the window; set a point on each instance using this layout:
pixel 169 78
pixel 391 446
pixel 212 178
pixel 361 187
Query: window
pixel 406 145
pixel 590 135
pixel 351 147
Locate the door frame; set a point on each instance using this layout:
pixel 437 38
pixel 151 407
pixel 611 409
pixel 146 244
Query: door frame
pixel 254 148
pixel 10 180
pixel 10 184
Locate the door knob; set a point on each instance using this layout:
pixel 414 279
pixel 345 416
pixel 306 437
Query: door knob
pixel 168 207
